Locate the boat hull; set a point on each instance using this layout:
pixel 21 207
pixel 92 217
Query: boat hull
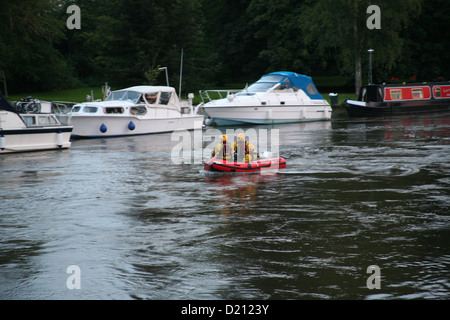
pixel 34 139
pixel 220 165
pixel 361 109
pixel 110 126
pixel 238 115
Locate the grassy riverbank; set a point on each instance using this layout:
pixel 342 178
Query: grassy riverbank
pixel 79 94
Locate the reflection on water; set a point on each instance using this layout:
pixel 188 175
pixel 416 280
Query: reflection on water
pixel 355 193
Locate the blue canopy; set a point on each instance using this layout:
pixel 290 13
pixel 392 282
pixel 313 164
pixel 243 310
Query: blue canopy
pixel 294 79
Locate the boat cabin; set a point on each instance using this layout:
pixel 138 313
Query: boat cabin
pixel 283 81
pixel 135 101
pixel 404 92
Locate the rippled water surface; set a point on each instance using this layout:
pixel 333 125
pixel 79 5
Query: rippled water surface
pixel 355 193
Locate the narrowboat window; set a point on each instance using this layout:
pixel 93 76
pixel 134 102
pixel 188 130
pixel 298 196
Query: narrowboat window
pixel 76 109
pixel 311 89
pixel 165 97
pixel 113 110
pixel 90 109
pixel 29 120
pixel 417 94
pixel 138 111
pixel 437 92
pixel 151 97
pixel 396 94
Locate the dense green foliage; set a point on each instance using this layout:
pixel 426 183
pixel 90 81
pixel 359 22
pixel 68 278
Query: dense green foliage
pixel 124 42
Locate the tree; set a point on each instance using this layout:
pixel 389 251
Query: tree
pixel 28 36
pixel 342 26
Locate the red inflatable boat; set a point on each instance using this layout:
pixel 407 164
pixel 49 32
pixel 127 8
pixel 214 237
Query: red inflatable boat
pixel 221 165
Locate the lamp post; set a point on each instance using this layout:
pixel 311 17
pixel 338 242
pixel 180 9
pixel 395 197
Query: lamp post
pixel 370 65
pixel 167 76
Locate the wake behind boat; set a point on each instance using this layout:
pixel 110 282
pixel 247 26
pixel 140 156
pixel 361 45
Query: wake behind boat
pixel 31 127
pixel 135 111
pixel 278 97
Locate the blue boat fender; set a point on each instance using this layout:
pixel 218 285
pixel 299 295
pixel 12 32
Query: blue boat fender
pixel 103 128
pixel 131 126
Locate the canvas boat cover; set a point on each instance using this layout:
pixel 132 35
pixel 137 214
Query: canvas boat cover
pixel 297 80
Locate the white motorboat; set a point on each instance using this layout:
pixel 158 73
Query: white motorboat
pixel 278 97
pixel 32 127
pixel 135 111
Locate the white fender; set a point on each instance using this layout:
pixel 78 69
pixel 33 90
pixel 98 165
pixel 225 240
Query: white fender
pixel 2 142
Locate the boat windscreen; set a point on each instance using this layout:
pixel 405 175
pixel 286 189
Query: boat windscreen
pixel 258 87
pixel 132 96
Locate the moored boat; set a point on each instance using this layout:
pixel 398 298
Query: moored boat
pixel 221 165
pixel 278 97
pixel 30 128
pixel 407 98
pixel 135 111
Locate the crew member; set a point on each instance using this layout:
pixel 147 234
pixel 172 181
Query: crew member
pixel 239 148
pixel 252 154
pixel 223 149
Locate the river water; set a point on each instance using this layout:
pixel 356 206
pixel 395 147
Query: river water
pixel 135 225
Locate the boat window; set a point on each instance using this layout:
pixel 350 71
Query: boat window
pixel 258 87
pixel 90 109
pixel 151 97
pixel 396 94
pixel 417 93
pixel 29 120
pixel 113 110
pixel 125 95
pixel 138 111
pixel 437 92
pixel 165 97
pixel 46 120
pixel 311 89
pixel 286 87
pixel 272 78
pixel 76 108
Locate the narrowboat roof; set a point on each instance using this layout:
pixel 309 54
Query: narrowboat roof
pixel 411 84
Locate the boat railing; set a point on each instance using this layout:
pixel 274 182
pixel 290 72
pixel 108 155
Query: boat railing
pixel 62 111
pixel 218 94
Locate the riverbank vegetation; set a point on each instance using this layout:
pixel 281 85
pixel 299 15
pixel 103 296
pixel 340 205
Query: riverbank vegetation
pixel 122 42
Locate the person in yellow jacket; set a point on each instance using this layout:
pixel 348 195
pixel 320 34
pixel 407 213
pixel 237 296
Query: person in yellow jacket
pixel 238 148
pixel 243 150
pixel 252 154
pixel 223 149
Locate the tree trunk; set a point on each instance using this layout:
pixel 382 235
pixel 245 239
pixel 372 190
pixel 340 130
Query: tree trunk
pixel 357 51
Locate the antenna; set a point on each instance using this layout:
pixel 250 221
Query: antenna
pixel 181 73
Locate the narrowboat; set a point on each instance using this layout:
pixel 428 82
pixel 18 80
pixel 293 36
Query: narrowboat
pixel 406 98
